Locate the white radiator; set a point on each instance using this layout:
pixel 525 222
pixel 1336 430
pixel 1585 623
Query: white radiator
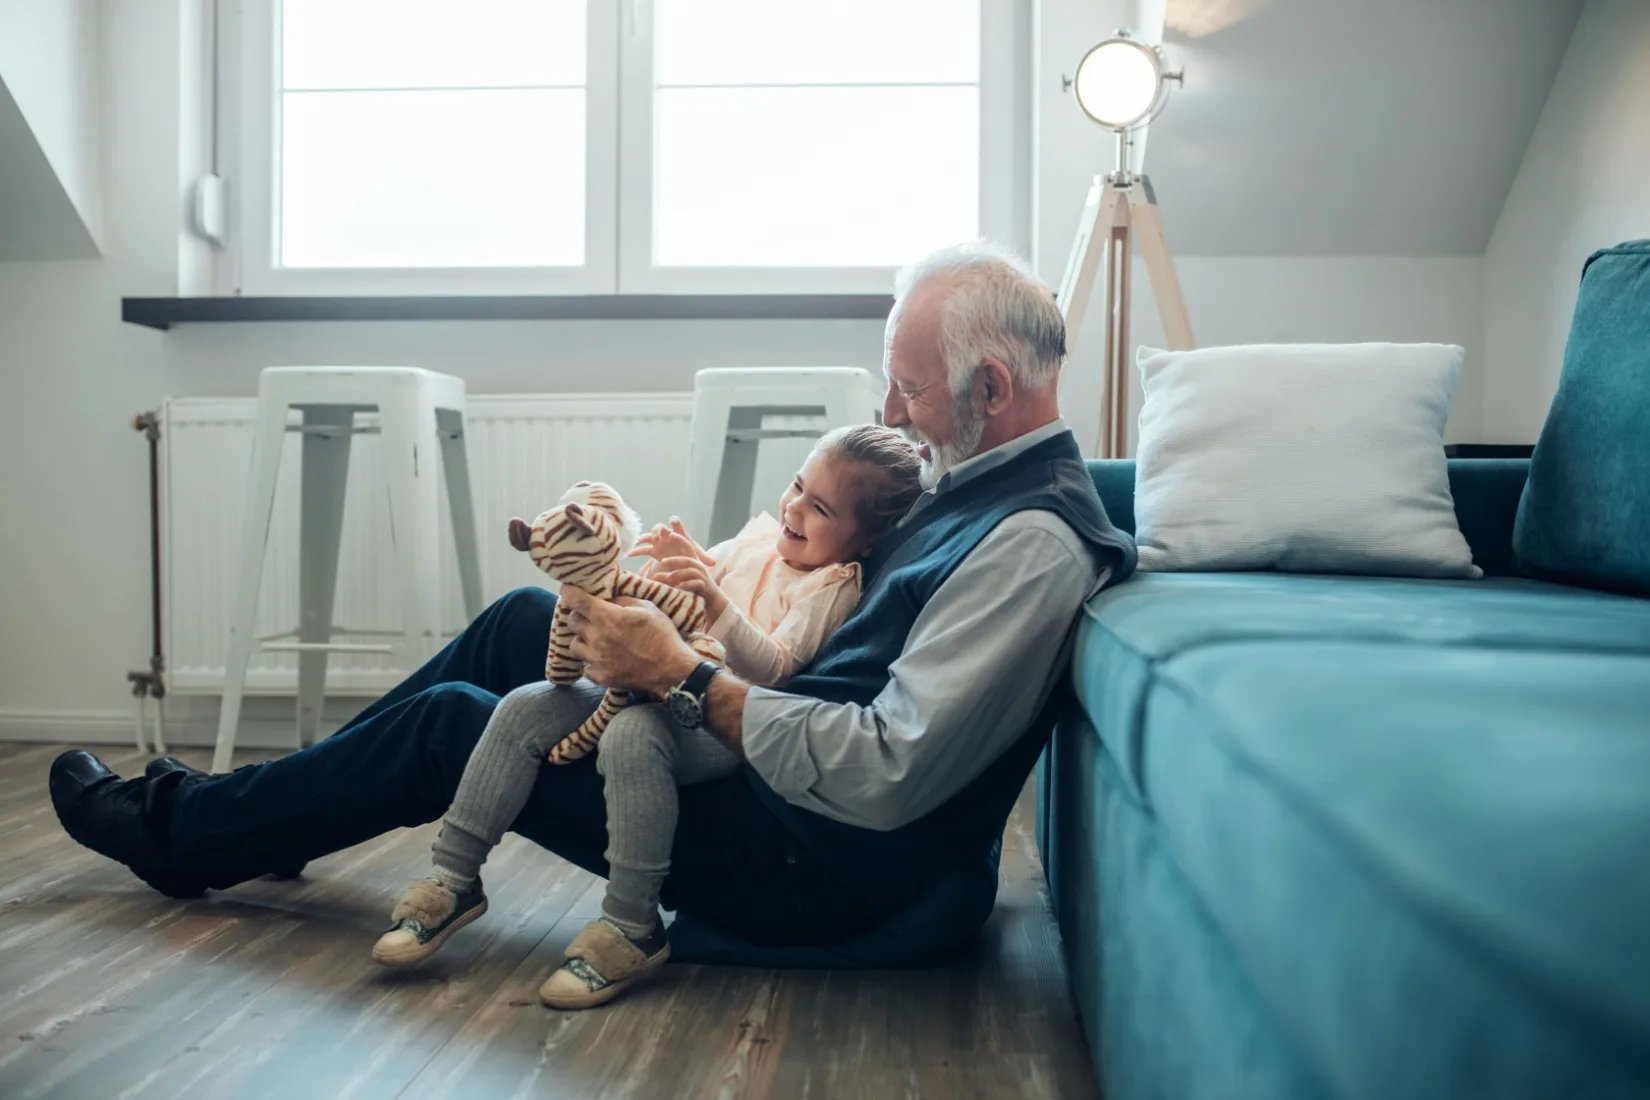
pixel 524 452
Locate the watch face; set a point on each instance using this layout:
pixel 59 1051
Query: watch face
pixel 684 708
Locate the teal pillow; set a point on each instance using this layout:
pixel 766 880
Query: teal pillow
pixel 1585 514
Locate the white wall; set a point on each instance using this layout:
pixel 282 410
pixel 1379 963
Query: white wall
pixel 48 60
pixel 1231 299
pixel 74 610
pixel 1294 299
pixel 517 356
pixel 1584 184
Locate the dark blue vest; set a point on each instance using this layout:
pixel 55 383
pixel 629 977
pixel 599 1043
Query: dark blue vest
pixel 895 867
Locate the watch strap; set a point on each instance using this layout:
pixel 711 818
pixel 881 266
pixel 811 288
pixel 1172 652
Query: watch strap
pixel 699 679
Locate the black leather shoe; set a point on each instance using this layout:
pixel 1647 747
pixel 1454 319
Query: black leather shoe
pixel 166 765
pixel 110 815
pixel 170 765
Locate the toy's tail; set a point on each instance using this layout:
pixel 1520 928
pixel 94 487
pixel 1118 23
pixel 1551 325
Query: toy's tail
pixel 583 739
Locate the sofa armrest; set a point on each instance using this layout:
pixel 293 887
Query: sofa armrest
pixel 1486 492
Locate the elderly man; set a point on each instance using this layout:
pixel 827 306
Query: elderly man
pixel 891 761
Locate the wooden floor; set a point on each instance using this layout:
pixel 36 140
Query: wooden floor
pixel 110 991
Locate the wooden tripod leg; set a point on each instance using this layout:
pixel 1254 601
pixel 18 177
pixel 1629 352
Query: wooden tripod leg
pixel 1114 371
pixel 1117 382
pixel 1104 211
pixel 1100 213
pixel 1154 249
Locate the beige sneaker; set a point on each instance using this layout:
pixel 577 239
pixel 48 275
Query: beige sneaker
pixel 600 964
pixel 424 917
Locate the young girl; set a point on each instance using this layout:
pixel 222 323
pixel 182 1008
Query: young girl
pixel 773 593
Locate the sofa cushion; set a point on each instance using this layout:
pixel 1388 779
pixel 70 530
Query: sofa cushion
pixel 1314 458
pixel 1129 630
pixel 1429 858
pixel 1585 516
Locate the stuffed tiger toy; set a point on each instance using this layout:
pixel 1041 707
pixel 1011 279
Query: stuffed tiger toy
pixel 580 542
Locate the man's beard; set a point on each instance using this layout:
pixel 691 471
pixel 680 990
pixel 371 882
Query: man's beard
pixel 968 426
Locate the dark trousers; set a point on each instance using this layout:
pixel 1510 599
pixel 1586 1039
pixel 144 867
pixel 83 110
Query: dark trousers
pixel 398 764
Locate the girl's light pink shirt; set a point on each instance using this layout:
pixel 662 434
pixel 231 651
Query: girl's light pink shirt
pixel 777 615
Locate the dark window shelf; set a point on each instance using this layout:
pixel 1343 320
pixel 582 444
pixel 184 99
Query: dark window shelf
pixel 163 313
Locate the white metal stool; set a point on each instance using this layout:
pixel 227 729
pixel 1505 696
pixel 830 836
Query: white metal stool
pixel 421 416
pixel 729 404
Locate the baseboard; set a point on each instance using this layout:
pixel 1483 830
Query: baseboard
pixel 67 727
pixel 120 728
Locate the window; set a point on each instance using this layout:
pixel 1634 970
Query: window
pixel 615 146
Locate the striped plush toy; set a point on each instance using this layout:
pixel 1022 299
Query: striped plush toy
pixel 580 542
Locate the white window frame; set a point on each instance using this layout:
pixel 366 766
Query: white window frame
pixel 618 178
pixel 1000 46
pixel 255 63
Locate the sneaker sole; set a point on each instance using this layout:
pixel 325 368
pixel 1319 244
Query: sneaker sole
pixel 422 951
pixel 593 998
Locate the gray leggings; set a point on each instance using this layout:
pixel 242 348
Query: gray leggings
pixel 643 757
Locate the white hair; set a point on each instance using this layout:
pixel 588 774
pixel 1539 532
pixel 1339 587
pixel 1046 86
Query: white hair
pixel 995 307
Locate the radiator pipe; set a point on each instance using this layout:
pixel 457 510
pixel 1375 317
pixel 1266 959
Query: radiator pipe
pixel 151 684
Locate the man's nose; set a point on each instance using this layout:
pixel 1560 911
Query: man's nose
pixel 893 410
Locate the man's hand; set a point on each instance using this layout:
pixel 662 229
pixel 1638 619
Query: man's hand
pixel 630 645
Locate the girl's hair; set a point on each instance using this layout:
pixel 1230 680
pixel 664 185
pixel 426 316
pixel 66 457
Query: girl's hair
pixel 895 474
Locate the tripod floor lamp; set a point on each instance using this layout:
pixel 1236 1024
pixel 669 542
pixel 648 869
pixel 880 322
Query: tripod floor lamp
pixel 1122 85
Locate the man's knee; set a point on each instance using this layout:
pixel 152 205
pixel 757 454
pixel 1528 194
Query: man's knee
pixel 451 721
pixel 527 607
pixel 636 735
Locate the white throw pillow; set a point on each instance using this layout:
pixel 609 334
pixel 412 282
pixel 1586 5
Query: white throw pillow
pixel 1307 458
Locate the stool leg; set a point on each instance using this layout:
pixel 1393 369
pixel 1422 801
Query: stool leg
pixel 456 464
pixel 267 442
pixel 710 437
pixel 320 529
pixel 843 408
pixel 736 479
pixel 412 474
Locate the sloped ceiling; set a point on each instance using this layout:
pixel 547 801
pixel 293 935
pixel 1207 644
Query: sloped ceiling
pixel 38 219
pixel 1349 127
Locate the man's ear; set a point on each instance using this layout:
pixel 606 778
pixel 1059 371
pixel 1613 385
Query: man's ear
pixel 996 384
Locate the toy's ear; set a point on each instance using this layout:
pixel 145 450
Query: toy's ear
pixel 581 518
pixel 521 535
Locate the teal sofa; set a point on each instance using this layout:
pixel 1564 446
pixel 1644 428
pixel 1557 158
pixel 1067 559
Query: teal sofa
pixel 1347 837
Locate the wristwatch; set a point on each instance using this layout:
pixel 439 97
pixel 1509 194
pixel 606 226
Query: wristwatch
pixel 686 701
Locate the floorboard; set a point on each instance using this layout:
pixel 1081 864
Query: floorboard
pixel 109 991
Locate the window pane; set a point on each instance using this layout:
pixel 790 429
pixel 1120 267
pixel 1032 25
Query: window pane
pixel 816 42
pixel 432 179
pixel 432 43
pixel 828 177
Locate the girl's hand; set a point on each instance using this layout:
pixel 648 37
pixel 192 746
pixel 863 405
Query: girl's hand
pixel 692 575
pixel 680 532
pixel 670 541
